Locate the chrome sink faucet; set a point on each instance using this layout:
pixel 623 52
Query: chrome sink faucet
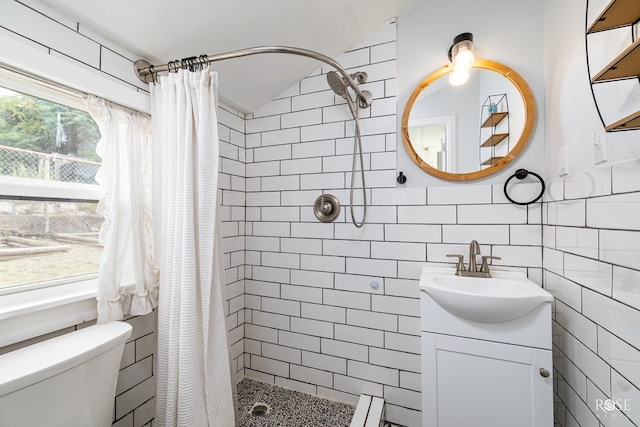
pixel 473 271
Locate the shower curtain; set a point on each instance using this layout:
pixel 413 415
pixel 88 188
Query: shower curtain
pixel 194 384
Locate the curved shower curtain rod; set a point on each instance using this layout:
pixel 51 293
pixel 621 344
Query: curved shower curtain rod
pixel 146 72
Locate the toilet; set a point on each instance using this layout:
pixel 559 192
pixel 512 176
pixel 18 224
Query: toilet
pixel 66 381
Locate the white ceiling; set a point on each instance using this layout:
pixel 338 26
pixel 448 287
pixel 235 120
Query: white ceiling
pixel 164 30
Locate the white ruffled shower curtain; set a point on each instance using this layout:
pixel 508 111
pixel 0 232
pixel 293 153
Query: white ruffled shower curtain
pixel 127 277
pixel 194 384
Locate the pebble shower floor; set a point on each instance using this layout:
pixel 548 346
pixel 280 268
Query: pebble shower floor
pixel 276 406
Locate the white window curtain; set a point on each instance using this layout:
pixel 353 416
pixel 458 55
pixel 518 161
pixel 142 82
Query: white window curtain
pixel 194 385
pixel 127 277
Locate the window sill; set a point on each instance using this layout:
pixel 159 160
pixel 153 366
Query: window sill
pixel 28 314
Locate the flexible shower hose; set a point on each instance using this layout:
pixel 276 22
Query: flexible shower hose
pixel 357 149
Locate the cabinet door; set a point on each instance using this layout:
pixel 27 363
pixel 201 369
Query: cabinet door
pixel 467 382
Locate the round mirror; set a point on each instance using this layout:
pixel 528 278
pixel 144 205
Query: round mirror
pixel 471 130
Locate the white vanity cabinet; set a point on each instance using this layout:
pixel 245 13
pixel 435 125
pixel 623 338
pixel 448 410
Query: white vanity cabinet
pixel 484 384
pixel 486 374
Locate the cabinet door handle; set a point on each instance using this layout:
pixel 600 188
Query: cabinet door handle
pixel 544 372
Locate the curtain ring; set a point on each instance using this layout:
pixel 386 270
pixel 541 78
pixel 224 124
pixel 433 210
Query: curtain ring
pixel 202 59
pixel 522 174
pixel 154 74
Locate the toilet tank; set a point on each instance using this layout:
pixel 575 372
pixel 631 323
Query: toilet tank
pixel 66 381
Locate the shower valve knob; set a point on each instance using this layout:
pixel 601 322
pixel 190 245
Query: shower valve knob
pixel 326 208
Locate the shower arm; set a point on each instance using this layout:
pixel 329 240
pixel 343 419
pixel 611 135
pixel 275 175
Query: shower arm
pixel 146 72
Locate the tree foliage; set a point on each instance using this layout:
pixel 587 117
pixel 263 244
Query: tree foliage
pixel 32 124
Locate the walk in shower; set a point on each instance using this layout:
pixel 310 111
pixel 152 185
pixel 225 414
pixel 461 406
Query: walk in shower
pixel 274 404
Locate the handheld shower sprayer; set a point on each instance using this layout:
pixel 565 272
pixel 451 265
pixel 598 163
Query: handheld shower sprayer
pixel 339 84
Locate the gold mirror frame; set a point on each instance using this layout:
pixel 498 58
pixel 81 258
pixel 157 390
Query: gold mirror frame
pixel 529 111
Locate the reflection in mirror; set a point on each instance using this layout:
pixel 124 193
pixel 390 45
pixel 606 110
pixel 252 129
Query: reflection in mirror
pixel 433 139
pixel 468 131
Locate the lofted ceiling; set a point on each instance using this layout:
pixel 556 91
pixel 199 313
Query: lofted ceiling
pixel 164 30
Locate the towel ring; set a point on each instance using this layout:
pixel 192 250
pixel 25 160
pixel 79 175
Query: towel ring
pixel 522 174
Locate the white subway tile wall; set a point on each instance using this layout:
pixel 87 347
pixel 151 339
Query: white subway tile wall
pixel 34 22
pixel 233 184
pixel 592 267
pixel 351 295
pixel 331 309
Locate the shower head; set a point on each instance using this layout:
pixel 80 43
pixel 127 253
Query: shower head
pixel 339 85
pixel 336 83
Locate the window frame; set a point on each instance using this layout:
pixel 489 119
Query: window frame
pixel 19 188
pixel 26 57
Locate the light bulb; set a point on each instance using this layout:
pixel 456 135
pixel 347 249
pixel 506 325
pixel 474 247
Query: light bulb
pixel 462 58
pixel 458 77
pixel 462 54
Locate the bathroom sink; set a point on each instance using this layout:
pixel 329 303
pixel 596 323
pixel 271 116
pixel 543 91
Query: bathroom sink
pixel 505 296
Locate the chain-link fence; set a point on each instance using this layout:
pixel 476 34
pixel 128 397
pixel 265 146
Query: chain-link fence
pixel 55 167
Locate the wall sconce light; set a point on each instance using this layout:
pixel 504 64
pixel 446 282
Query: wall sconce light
pixel 461 57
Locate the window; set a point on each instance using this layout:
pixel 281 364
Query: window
pixel 48 190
